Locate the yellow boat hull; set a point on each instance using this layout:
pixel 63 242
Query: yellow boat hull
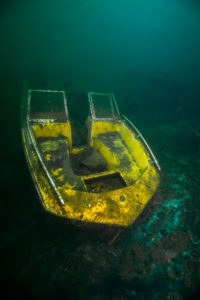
pixel 115 195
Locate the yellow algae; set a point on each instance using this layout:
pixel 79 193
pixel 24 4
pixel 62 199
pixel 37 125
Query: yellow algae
pixel 53 129
pixel 110 158
pixel 61 178
pixel 48 156
pixel 56 172
pixel 49 146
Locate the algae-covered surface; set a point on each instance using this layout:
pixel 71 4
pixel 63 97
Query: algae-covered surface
pixel 147 54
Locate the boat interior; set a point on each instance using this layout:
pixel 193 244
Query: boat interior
pixel 96 152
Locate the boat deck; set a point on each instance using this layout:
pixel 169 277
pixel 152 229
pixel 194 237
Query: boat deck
pixel 109 161
pixel 109 180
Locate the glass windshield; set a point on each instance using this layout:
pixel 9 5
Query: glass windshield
pixel 103 106
pixel 47 105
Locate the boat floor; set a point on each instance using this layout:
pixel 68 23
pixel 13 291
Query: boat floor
pixel 67 168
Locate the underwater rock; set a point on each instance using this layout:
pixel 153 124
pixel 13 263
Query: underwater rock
pixel 94 161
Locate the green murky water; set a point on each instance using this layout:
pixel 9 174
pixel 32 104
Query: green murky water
pixel 147 54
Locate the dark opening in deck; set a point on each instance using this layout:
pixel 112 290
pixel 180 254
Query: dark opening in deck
pixel 105 183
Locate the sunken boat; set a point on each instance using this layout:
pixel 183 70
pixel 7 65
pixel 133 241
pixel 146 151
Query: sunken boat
pixel 108 180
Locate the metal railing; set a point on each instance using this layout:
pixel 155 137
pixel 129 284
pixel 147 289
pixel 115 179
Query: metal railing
pixel 140 136
pixel 43 165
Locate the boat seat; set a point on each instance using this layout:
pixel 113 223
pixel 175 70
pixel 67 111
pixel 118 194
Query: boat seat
pixel 114 142
pixel 117 155
pixel 55 155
